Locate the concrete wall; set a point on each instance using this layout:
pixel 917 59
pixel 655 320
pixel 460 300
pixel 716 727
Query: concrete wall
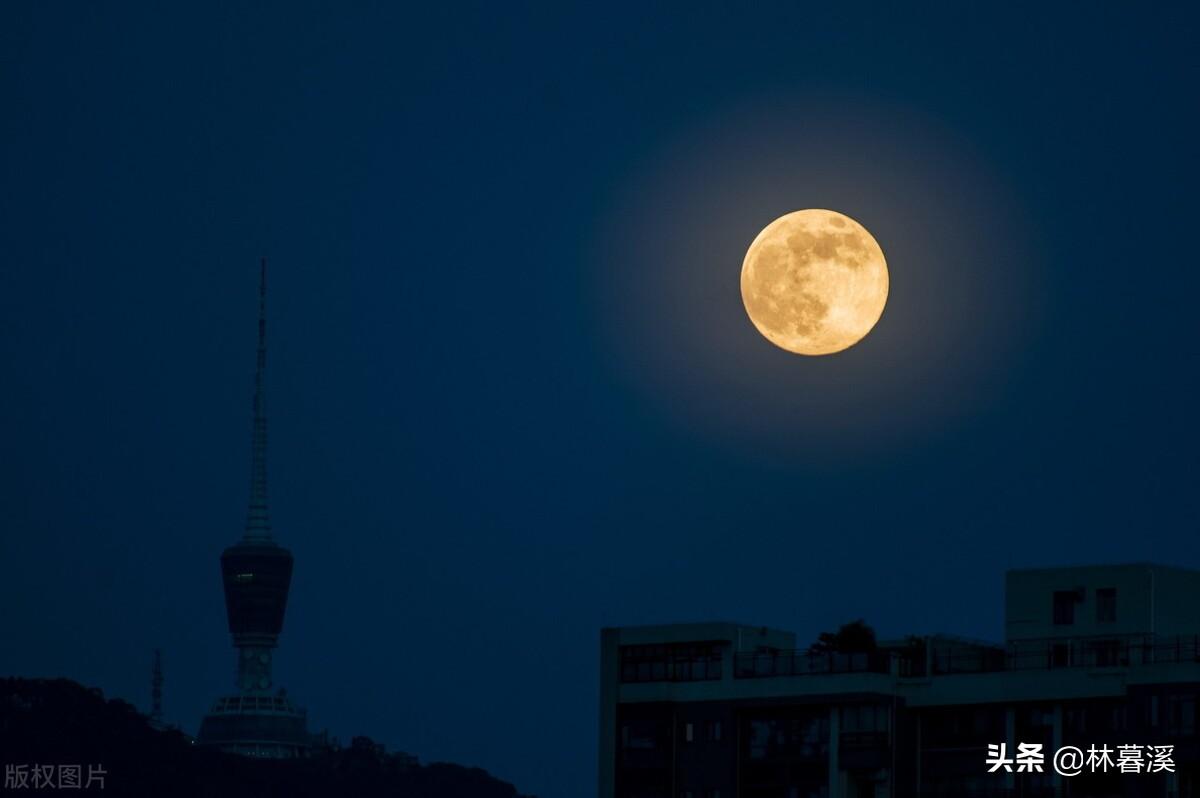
pixel 1029 601
pixel 1151 599
pixel 1176 602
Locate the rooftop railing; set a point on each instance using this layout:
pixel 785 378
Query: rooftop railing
pixel 1042 654
pixel 1080 652
pixel 765 664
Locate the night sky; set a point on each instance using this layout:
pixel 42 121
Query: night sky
pixel 513 393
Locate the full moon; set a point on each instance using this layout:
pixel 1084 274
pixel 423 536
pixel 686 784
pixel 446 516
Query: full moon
pixel 814 282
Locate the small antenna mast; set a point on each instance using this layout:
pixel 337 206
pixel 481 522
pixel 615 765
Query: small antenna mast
pixel 156 685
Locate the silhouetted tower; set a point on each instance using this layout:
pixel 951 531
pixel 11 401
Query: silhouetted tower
pixel 156 684
pixel 256 572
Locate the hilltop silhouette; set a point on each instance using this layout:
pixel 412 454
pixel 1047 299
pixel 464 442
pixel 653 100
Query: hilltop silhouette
pixel 58 721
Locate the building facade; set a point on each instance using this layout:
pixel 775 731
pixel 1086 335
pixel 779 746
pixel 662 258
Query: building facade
pixel 1092 657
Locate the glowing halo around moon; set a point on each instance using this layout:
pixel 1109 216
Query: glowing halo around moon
pixel 814 282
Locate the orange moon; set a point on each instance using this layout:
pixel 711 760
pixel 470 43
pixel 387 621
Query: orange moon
pixel 814 282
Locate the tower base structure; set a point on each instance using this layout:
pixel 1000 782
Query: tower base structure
pixel 258 725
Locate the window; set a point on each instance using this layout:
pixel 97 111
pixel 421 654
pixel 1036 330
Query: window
pixel 1182 715
pixel 1107 653
pixel 1060 655
pixel 688 732
pixel 639 736
pixel 714 731
pixel 864 718
pixel 1064 607
pixel 1106 605
pixel 676 662
pixel 788 738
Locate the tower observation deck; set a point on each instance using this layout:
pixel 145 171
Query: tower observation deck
pixel 256 572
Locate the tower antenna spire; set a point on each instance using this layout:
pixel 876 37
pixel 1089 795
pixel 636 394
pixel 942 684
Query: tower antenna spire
pixel 258 524
pixel 256 573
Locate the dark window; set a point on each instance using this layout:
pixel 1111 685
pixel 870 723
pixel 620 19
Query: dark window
pixel 787 738
pixel 955 727
pixel 714 730
pixel 639 735
pixel 1060 655
pixel 864 718
pixel 1107 653
pixel 1064 607
pixel 1106 605
pixel 677 662
pixel 1182 715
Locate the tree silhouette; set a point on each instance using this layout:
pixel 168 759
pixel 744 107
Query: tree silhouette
pixel 855 637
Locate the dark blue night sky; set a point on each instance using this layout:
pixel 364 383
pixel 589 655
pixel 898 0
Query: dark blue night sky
pixel 513 393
